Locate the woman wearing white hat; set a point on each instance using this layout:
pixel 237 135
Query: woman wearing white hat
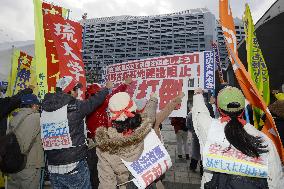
pixel 125 139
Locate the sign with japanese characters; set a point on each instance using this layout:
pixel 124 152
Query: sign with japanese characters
pixel 217 61
pixel 209 70
pixel 165 76
pixel 21 74
pixel 51 53
pixel 55 129
pixel 153 163
pixel 220 156
pixel 67 38
pixel 47 62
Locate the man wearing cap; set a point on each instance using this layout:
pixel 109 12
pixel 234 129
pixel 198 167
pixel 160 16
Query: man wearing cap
pixel 66 156
pixel 8 104
pixel 26 126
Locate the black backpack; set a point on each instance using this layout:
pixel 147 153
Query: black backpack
pixel 12 160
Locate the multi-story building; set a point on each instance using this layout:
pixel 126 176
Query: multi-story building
pixel 240 34
pixel 121 38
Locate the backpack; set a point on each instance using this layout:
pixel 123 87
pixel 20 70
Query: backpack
pixel 12 160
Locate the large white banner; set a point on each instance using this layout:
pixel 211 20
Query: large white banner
pixel 166 76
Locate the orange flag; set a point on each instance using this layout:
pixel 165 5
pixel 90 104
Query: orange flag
pixel 248 87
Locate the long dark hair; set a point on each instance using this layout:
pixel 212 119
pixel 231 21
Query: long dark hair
pixel 130 123
pixel 237 136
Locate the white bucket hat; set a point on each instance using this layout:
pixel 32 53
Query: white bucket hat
pixel 120 106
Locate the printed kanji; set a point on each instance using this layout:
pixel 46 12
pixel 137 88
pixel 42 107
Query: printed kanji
pixel 142 90
pixel 157 171
pixel 145 162
pixel 170 88
pixel 158 152
pixel 148 178
pixel 67 31
pixel 137 167
pixel 76 69
pixel 150 73
pixel 68 51
pixel 24 75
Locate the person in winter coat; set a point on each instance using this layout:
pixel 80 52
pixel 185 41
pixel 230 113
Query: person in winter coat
pixel 67 163
pixel 181 131
pixel 26 126
pixel 277 111
pixel 9 104
pixel 195 146
pixel 99 117
pixel 235 154
pixel 125 139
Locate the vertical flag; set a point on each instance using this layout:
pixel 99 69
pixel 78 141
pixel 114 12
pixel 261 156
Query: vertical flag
pixel 248 87
pixel 21 72
pixel 40 50
pixel 256 65
pixel 67 39
pixel 217 61
pixel 13 72
pixel 47 63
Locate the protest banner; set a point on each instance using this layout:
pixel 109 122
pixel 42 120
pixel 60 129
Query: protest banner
pixel 55 129
pixel 218 61
pixel 247 85
pixel 47 64
pixel 21 73
pixel 256 66
pixel 220 156
pixel 67 40
pixel 153 162
pixel 166 76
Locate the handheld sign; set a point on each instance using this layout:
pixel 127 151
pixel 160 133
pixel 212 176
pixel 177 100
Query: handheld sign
pixel 153 163
pixel 55 129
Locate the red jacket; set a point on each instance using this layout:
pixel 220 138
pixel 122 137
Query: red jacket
pixel 99 117
pixel 178 123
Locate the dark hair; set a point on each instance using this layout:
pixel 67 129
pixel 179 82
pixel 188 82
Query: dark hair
pixel 237 136
pixel 129 123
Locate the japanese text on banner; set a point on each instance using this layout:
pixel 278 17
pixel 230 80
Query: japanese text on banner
pixel 166 76
pixel 67 38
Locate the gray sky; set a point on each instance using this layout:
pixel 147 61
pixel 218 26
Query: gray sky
pixel 17 19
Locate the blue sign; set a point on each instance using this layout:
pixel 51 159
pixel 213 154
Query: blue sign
pixel 209 70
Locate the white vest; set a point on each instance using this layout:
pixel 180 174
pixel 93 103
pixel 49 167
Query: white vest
pixel 220 156
pixel 55 129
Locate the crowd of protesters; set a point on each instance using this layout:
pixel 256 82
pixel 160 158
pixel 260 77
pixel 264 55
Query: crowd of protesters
pixel 110 127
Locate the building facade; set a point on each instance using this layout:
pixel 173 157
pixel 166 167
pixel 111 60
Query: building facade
pixel 121 38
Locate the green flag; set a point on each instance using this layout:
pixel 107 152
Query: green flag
pixel 256 65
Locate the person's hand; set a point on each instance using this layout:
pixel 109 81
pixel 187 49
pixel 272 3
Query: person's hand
pixel 153 95
pixel 128 80
pixel 181 94
pixel 212 100
pixel 198 91
pixel 275 91
pixel 109 85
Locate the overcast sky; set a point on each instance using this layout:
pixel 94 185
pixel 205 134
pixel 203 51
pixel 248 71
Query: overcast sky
pixel 17 16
